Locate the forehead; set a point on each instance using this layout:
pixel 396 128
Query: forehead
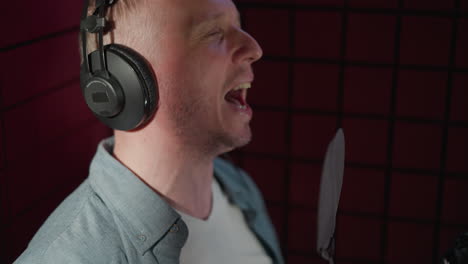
pixel 193 12
pixel 215 9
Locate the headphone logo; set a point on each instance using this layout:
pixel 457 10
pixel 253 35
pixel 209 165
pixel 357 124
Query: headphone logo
pixel 100 97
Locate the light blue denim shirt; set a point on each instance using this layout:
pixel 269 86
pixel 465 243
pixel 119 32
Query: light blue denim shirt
pixel 113 217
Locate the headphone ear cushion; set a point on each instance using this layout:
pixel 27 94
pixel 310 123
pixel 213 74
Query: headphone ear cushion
pixel 144 71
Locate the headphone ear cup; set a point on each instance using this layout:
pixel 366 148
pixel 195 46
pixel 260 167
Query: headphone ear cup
pixel 135 85
pixel 144 72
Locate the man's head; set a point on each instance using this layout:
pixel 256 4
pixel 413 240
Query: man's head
pixel 200 55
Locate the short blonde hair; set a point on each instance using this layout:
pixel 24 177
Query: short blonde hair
pixel 117 12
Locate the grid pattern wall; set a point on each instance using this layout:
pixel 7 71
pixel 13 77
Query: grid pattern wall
pixel 394 76
pixel 47 134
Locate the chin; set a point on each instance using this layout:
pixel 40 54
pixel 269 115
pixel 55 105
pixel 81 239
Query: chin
pixel 240 139
pixel 241 142
pixel 231 141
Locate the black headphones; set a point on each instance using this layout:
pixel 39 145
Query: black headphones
pixel 117 83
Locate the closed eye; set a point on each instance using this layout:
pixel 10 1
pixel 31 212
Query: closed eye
pixel 217 33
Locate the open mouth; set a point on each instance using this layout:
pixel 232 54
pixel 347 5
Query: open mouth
pixel 238 95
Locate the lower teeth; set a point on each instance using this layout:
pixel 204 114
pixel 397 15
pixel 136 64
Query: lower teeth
pixel 242 107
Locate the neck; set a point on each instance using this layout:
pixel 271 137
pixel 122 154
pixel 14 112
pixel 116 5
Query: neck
pixel 173 169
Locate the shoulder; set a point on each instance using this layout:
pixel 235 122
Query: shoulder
pixel 80 230
pixel 231 175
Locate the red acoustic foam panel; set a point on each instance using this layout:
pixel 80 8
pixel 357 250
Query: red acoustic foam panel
pixel 32 125
pixel 302 230
pixel 461 57
pixel 4 207
pixel 417 146
pixel 2 157
pixel 363 191
pixel 269 175
pixel 271 86
pixel 318 34
pixel 299 259
pixel 235 156
pixel 276 214
pixel 370 37
pixel 448 236
pixel 61 163
pixel 413 196
pixel 367 90
pixel 36 68
pixel 373 3
pixel 429 4
pixel 305 184
pixel 409 243
pixel 421 94
pixel 422 46
pixel 366 140
pixel 335 3
pixel 311 135
pixel 358 237
pixel 38 18
pixel 20 231
pixel 263 1
pixel 274 40
pixel 269 132
pixel 315 86
pixel 457 150
pixel 464 5
pixel 459 106
pixel 454 208
pixel 356 261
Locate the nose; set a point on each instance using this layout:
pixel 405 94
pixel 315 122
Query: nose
pixel 249 50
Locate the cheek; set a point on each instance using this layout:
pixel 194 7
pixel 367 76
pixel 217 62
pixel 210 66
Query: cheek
pixel 172 75
pixel 213 66
pixel 206 73
pixel 192 72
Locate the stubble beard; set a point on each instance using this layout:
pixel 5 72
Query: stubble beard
pixel 196 133
pixel 225 142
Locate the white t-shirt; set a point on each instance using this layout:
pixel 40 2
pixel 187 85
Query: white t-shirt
pixel 223 238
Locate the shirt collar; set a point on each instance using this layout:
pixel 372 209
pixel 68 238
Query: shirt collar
pixel 145 215
pixel 232 182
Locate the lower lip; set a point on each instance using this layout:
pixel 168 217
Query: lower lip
pixel 246 110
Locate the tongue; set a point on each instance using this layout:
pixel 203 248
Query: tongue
pixel 235 97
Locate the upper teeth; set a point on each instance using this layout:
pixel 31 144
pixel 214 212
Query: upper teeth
pixel 243 86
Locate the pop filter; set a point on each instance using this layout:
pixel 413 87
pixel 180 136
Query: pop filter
pixel 329 197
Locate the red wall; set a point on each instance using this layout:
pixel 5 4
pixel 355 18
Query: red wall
pixel 393 74
pixel 47 135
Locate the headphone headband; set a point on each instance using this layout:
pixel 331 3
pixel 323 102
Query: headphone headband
pixel 94 24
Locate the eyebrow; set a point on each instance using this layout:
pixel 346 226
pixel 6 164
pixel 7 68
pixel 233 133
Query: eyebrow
pixel 213 18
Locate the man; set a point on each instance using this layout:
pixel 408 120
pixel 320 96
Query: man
pixel 159 194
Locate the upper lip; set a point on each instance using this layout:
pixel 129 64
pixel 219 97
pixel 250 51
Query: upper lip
pixel 249 79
